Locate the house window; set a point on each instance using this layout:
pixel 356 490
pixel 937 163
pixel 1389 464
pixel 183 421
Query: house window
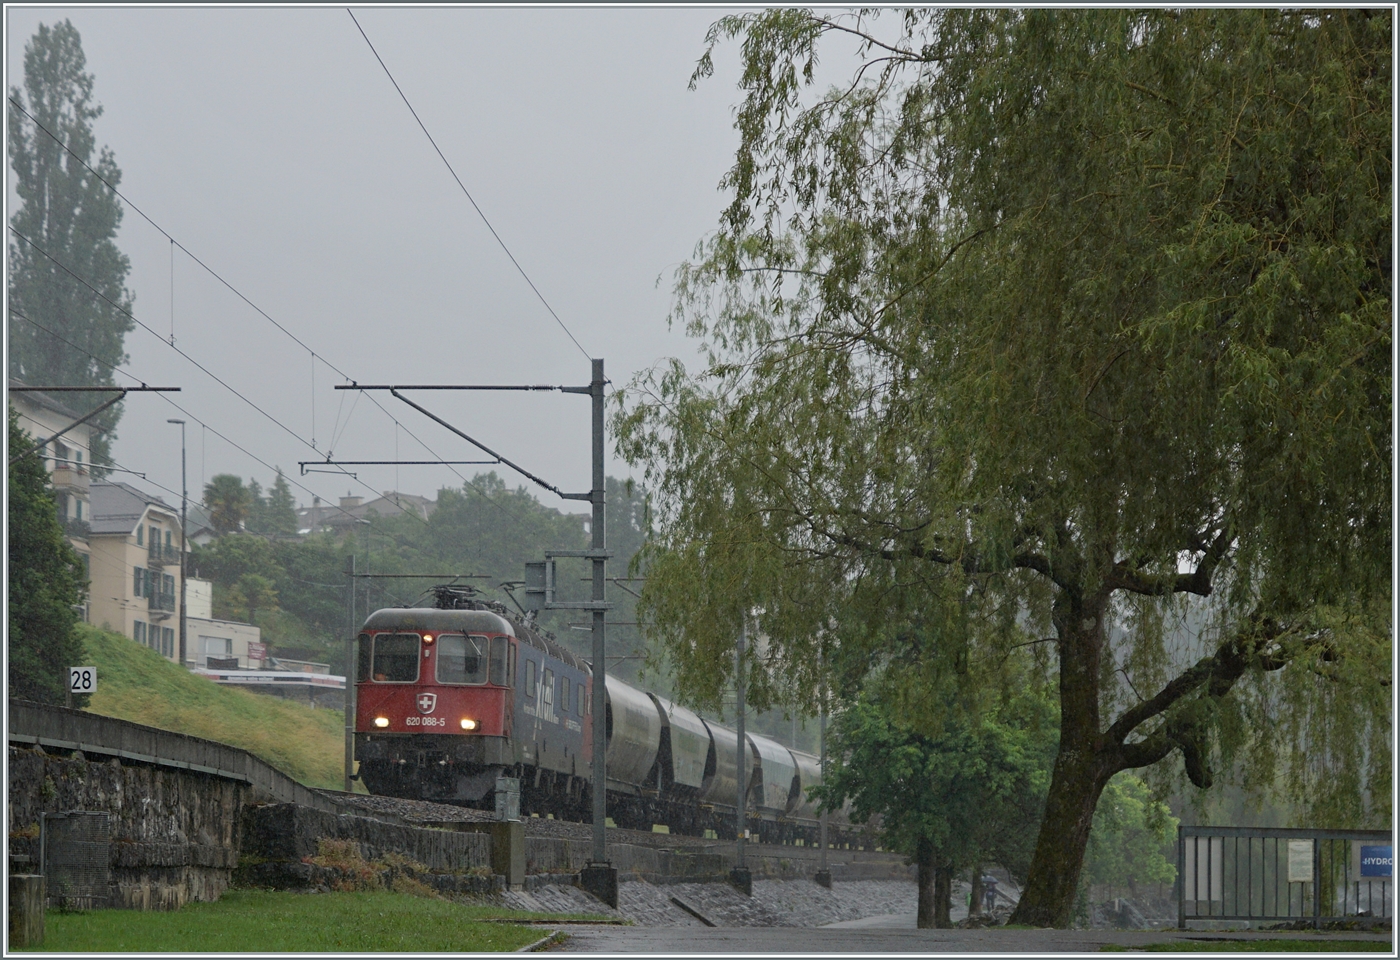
pixel 138 632
pixel 140 535
pixel 139 582
pixel 155 536
pixel 218 646
pixel 167 584
pixel 79 457
pixel 78 510
pixel 167 541
pixel 167 641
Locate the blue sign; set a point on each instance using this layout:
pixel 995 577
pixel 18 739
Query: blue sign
pixel 1376 861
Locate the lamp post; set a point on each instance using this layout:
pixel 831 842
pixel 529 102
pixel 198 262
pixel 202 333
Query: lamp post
pixel 184 502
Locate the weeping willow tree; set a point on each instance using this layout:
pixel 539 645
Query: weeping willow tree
pixel 1077 322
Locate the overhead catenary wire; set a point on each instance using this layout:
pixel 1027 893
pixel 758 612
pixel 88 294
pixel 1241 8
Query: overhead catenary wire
pixel 203 425
pixel 468 484
pixel 215 377
pixel 465 191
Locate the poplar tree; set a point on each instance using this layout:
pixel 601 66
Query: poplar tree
pixel 65 229
pixel 1078 319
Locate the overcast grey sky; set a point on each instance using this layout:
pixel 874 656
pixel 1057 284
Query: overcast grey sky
pixel 272 145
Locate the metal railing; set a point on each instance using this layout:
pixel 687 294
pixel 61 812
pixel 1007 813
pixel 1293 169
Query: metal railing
pixel 69 477
pixel 163 601
pixel 77 529
pixel 1274 874
pixel 162 556
pixel 58 728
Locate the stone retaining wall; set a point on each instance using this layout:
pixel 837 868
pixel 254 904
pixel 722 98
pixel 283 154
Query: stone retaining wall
pixel 175 834
pixel 290 832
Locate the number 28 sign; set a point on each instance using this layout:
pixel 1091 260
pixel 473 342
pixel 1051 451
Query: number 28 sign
pixel 82 679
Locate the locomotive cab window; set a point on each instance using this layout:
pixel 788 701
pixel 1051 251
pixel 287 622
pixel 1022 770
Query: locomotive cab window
pixel 362 669
pixel 396 657
pixel 461 659
pixel 499 646
pixel 529 678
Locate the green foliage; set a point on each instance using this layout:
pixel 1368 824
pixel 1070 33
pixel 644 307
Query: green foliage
pixel 274 514
pixel 258 594
pixel 1134 837
pixel 229 502
pixel 73 217
pixel 1080 319
pixel 289 922
pixel 135 683
pixel 484 528
pixel 46 580
pixel 969 782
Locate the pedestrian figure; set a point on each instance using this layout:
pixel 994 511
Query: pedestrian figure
pixel 989 894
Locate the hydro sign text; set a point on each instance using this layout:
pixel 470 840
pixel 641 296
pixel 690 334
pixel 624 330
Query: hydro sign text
pixel 1376 861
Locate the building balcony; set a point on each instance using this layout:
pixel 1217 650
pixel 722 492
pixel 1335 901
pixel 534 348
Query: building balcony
pixel 162 602
pixel 163 556
pixel 75 528
pixel 68 478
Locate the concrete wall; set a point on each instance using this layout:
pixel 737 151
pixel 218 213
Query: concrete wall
pixel 207 637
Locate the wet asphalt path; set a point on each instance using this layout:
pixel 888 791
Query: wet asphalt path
pixel 891 935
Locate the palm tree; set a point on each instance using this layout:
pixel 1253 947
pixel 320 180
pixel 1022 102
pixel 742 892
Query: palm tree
pixel 228 501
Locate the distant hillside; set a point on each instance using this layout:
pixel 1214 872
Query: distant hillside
pixel 136 683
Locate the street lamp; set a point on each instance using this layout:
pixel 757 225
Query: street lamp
pixel 184 501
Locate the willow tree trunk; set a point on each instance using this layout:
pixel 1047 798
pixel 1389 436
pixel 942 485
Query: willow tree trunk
pixel 1082 768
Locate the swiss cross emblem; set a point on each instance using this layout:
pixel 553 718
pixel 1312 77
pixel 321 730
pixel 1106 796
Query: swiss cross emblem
pixel 426 702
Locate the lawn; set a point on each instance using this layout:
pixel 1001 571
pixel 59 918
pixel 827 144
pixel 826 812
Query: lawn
pixel 135 683
pixel 262 921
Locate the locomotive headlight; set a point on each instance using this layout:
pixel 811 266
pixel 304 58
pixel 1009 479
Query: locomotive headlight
pixel 381 722
pixel 427 638
pixel 468 723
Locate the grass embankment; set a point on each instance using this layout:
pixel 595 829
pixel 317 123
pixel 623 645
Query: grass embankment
pixel 263 921
pixel 136 683
pixel 1291 945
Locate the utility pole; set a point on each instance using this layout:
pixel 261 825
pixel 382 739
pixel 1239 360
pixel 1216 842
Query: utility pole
pixel 184 521
pixel 823 876
pixel 600 876
pixel 350 673
pixel 740 875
